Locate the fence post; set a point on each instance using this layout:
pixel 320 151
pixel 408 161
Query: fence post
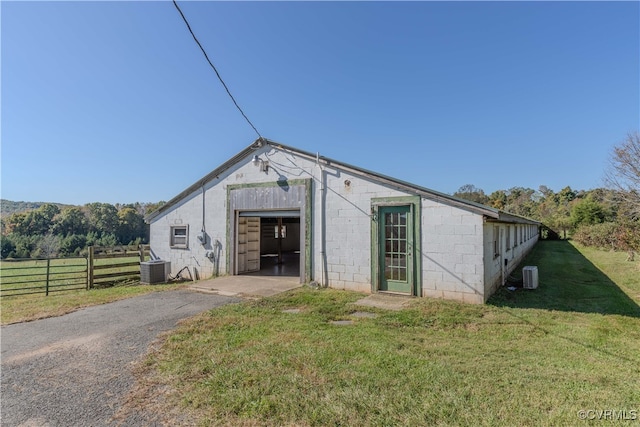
pixel 141 252
pixel 46 286
pixel 90 268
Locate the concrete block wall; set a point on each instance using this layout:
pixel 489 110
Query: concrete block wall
pixel 519 252
pixel 348 228
pixel 514 255
pixel 160 233
pixel 190 212
pixel 457 247
pixel 452 261
pixel 492 266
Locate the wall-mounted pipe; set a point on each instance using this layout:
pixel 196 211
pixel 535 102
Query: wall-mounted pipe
pixel 203 208
pixel 202 237
pixel 323 223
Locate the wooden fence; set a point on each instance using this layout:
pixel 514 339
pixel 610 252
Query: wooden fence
pixel 115 263
pixel 103 266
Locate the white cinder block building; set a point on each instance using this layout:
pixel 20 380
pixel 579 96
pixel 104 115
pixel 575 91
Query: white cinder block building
pixel 278 210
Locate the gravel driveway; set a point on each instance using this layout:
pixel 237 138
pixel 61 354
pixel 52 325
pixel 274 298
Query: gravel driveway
pixel 75 370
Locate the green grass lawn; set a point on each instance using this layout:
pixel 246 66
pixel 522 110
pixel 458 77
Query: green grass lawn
pixel 528 358
pixel 575 278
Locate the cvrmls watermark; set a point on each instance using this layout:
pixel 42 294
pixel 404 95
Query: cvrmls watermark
pixel 608 414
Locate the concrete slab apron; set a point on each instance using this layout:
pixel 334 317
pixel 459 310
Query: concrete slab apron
pixel 386 301
pixel 247 285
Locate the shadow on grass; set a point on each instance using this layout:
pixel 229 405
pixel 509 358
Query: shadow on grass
pixel 568 282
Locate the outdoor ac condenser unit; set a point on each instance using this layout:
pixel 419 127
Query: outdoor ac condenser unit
pixel 530 277
pixel 156 271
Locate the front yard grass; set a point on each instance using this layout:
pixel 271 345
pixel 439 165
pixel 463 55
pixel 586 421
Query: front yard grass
pixel 511 362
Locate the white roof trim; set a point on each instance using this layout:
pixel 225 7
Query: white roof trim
pixel 400 185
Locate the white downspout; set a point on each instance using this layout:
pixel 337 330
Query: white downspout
pixel 203 209
pixel 323 255
pixel 501 246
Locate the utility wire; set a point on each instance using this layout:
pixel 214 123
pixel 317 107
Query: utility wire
pixel 214 69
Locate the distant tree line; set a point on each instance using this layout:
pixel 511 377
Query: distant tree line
pixel 8 207
pixel 603 217
pixel 51 231
pixel 597 217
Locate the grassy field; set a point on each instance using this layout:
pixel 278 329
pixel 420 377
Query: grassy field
pixel 22 286
pixel 575 278
pixel 528 358
pixel 27 276
pixel 38 306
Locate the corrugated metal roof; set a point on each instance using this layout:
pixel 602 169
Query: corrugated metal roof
pixel 424 192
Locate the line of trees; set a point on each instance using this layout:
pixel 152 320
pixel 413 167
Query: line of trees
pixel 603 217
pixel 50 231
pixel 597 217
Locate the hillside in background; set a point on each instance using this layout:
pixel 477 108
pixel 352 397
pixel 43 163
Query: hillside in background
pixel 8 207
pixel 38 229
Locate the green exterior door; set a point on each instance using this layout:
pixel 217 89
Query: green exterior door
pixel 395 249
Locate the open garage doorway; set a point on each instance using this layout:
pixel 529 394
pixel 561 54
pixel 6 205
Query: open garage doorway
pixel 268 243
pixel 280 246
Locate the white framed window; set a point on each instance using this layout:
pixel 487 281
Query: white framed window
pixel 179 236
pixel 280 234
pixel 496 242
pixel 508 236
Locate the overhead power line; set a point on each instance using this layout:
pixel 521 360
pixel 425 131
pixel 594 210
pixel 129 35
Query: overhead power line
pixel 215 69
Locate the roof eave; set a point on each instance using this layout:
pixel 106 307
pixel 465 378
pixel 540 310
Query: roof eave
pixel 205 179
pixel 424 192
pixel 427 193
pixel 512 218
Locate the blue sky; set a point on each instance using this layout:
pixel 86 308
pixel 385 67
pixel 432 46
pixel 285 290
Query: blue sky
pixel 113 101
